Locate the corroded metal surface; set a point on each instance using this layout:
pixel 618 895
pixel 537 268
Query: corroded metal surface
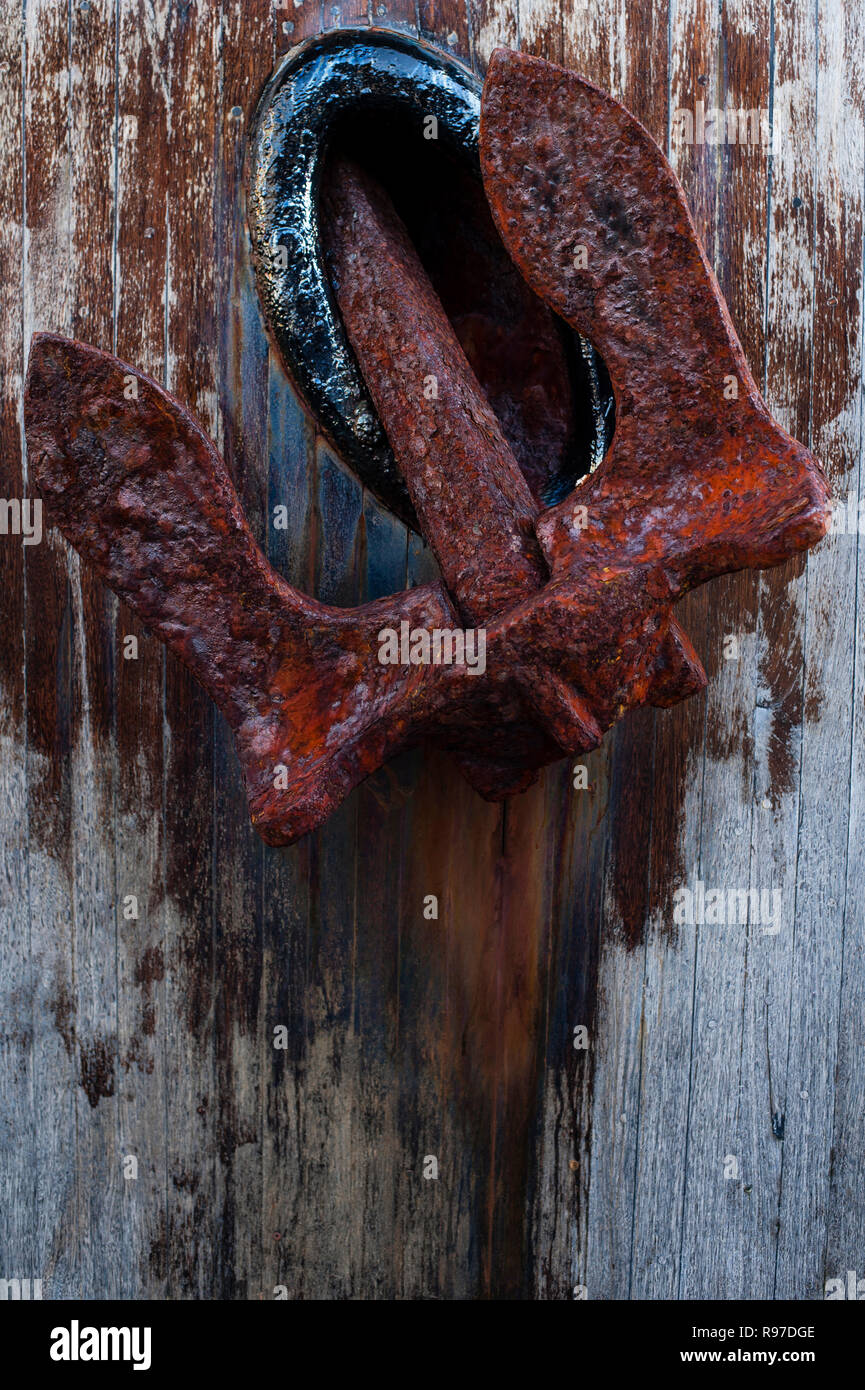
pixel 699 480
pixel 579 627
pixel 473 502
pixel 471 499
pixel 139 490
pixel 514 343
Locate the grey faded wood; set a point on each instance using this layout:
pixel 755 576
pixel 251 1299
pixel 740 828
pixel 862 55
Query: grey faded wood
pixel 144 978
pixel 55 774
pixel 16 968
pixel 157 1139
pixel 778 712
pixel 823 885
pixel 716 1170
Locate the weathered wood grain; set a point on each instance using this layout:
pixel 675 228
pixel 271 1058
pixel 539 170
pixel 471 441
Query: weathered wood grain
pixel 17 971
pixel 778 709
pixel 282 1039
pixel 146 1011
pixel 716 1194
pixel 89 60
pixel 53 699
pixel 183 44
pixel 665 1084
pixel 822 882
pixel 285 896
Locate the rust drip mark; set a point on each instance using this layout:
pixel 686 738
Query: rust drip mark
pixel 576 601
pixel 137 1054
pixel 631 811
pixel 472 977
pixel 782 757
pixel 96 1060
pixel 729 736
pixel 480 975
pixel 521 926
pixel 239 971
pixel 678 755
pixel 62 1006
pixel 781 664
pixel 158 1256
pixel 149 971
pixel 97 1070
pixel 182 1181
pixel 815 698
pixel 574 958
pixel 50 680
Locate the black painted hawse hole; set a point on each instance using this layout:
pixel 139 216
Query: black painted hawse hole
pixel 371 94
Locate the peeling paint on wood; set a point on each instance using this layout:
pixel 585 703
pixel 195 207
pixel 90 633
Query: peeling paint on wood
pixel 261 1168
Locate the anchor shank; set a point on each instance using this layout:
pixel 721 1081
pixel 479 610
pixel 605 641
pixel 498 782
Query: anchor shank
pixel 472 500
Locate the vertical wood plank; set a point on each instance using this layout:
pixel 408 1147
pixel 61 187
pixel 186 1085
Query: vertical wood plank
pixel 51 693
pixel 91 68
pixel 576 851
pixel 575 872
pixel 145 947
pixel 845 1234
pixel 493 24
pixel 666 1022
pixel 447 23
pixel 309 1242
pixel 17 1118
pixel 541 29
pixel 822 866
pixel 285 873
pixel 778 713
pixel 845 1216
pixel 717 1186
pixel 330 1170
pixel 246 49
pixel 500 981
pixel 435 1116
pixel 185 43
pixel 376 1021
pixel 285 895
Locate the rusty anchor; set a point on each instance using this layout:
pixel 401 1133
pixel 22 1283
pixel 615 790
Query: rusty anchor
pixel 575 599
pixel 387 95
